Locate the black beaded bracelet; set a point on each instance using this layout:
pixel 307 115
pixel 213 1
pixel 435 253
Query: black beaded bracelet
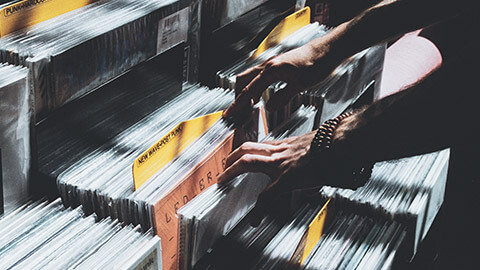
pixel 324 134
pixel 344 177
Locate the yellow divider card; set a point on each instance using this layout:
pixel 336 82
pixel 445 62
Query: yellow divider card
pixel 30 12
pixel 168 147
pixel 285 28
pixel 311 236
pixel 315 231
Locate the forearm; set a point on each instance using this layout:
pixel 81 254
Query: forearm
pixel 384 21
pixel 438 112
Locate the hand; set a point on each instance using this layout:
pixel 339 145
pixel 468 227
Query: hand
pixel 287 161
pixel 300 68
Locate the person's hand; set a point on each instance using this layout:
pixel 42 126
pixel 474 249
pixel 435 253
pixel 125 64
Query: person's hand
pixel 300 68
pixel 286 161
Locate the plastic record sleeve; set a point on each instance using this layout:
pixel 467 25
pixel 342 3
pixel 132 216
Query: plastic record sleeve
pixel 15 121
pixel 102 181
pixel 214 212
pixel 109 37
pixel 345 85
pixel 43 235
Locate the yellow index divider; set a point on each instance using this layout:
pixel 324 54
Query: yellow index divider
pixel 168 147
pixel 284 29
pixel 311 236
pixel 30 12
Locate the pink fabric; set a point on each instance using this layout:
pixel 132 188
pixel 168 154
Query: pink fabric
pixel 407 61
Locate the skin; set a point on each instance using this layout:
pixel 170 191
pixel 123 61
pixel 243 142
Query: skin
pixel 407 123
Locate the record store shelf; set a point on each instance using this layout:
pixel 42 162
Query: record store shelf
pixel 74 53
pixel 85 95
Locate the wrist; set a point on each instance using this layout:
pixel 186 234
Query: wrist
pixel 339 169
pixel 350 141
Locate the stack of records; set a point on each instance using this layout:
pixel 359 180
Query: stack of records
pixel 44 235
pixel 233 28
pixel 269 245
pixel 102 180
pixel 80 127
pixel 217 210
pixel 89 146
pixel 339 91
pixel 358 74
pixel 196 168
pixel 362 229
pixel 409 190
pixel 335 94
pixel 357 242
pixel 226 77
pixel 76 52
pixel 344 241
pixel 222 12
pixel 20 14
pixel 15 120
pixel 350 241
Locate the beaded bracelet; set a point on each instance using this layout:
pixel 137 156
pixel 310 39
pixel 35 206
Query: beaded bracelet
pixel 350 177
pixel 324 134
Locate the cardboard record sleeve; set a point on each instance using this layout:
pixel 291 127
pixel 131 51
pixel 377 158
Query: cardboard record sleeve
pixel 165 217
pixel 166 222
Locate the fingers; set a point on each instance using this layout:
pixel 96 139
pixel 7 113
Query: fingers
pixel 244 78
pixel 252 157
pixel 248 163
pixel 253 91
pixel 282 97
pixel 252 148
pixel 275 142
pixel 243 116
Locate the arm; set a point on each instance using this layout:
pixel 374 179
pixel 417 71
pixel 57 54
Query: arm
pixel 440 111
pixel 436 113
pixel 308 65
